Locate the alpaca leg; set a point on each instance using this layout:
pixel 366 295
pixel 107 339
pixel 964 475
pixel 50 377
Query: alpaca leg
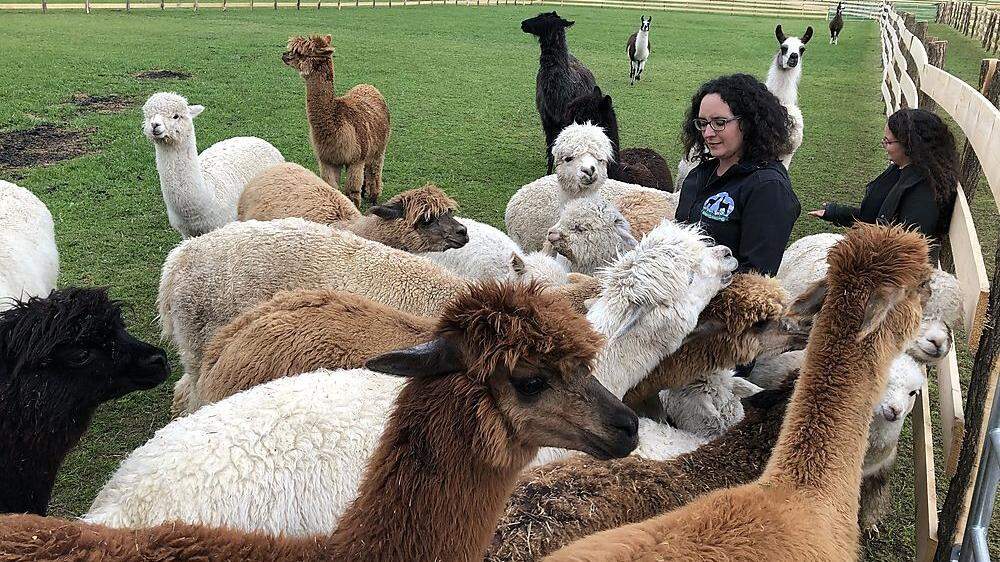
pixel 550 137
pixel 330 174
pixel 631 73
pixel 642 66
pixel 373 179
pixel 352 186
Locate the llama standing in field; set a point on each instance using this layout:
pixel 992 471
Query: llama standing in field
pixel 837 24
pixel 783 81
pixel 638 50
pixel 561 77
pixel 351 130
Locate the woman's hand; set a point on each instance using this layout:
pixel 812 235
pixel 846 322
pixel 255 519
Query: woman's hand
pixel 819 212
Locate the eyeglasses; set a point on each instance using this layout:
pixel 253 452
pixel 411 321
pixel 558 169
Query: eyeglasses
pixel 886 142
pixel 718 124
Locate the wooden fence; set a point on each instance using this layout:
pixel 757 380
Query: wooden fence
pixel 973 19
pixel 911 79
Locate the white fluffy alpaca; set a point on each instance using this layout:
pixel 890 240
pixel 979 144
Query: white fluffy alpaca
pixel 489 255
pixel 783 81
pixel 201 192
pixel 581 154
pixel 590 234
pixel 29 259
pixel 287 456
pixel 708 406
pixel 804 263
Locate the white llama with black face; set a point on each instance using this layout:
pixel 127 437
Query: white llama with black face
pixel 783 81
pixel 837 24
pixel 638 49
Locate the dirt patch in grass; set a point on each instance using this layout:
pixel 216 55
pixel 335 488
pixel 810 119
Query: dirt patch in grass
pixel 162 75
pixel 42 145
pixel 110 103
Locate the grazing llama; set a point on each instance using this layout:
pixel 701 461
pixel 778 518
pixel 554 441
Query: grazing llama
pixel 837 24
pixel 783 81
pixel 638 50
pixel 561 77
pixel 351 130
pixel 805 505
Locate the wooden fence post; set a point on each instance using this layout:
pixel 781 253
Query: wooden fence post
pixel 935 56
pixel 298 4
pixel 86 6
pixel 981 384
pixel 971 171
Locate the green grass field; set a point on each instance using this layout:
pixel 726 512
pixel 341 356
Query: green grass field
pixel 460 86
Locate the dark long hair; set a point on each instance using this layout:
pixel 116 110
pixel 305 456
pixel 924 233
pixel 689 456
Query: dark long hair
pixel 763 120
pixel 931 148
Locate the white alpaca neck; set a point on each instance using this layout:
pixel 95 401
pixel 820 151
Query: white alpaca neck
pixel 784 82
pixel 183 185
pixel 642 45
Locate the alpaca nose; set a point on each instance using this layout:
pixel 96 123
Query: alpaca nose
pixel 157 361
pixel 891 413
pixel 627 423
pixel 553 236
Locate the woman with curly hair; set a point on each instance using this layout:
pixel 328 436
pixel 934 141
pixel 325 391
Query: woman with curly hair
pixel 740 192
pixel 918 188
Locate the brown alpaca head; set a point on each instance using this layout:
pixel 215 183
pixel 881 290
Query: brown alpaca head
pixel 422 220
pixel 750 315
pixel 884 268
pixel 530 356
pixel 308 55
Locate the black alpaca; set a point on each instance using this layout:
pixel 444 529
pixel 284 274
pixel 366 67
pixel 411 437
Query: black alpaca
pixel 561 77
pixel 642 166
pixel 60 358
pixel 837 24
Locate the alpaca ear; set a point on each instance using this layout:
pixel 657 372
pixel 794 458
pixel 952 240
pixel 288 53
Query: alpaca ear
pixel 878 307
pixel 743 388
pixel 779 34
pixel 808 35
pixel 625 233
pixel 568 23
pixel 633 315
pixel 431 359
pixel 606 103
pixel 704 329
pixel 809 302
pixel 195 110
pixel 516 263
pixel 327 38
pixel 388 212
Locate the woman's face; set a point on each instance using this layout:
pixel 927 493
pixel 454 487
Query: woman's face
pixel 727 143
pixel 895 149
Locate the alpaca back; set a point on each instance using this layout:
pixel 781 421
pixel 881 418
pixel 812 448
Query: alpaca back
pixel 29 259
pixel 229 165
pixel 290 190
pixel 266 450
pixel 361 125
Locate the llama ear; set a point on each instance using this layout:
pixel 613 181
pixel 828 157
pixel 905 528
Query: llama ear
pixel 516 263
pixel 195 110
pixel 878 307
pixel 431 359
pixel 743 388
pixel 388 212
pixel 808 35
pixel 779 34
pixel 704 329
pixel 808 303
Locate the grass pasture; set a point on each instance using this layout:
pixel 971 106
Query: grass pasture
pixel 460 86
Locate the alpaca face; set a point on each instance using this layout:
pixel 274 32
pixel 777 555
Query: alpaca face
pixel 906 378
pixel 545 24
pixel 944 307
pixel 791 49
pixel 582 153
pixel 168 119
pixel 591 233
pixel 307 54
pixel 644 23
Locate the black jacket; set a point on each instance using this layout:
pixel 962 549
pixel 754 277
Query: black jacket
pixel 751 208
pixel 897 196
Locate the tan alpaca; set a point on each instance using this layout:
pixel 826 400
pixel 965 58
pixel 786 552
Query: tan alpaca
pixel 351 130
pixel 805 505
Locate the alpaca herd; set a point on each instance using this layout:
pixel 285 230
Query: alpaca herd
pixel 352 381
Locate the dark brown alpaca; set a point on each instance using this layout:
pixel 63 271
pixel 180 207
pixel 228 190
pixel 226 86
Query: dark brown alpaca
pixel 351 130
pixel 508 371
pixel 805 505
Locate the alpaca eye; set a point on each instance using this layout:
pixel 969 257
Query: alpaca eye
pixel 530 386
pixel 802 50
pixel 913 393
pixel 176 116
pixel 568 159
pixel 784 48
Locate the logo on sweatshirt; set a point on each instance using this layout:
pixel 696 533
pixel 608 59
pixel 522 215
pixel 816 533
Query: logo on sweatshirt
pixel 719 207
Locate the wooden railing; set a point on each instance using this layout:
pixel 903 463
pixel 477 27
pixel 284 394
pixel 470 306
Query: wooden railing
pixel 908 78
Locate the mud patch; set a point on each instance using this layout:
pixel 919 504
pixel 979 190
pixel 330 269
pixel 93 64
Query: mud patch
pixel 162 75
pixel 42 145
pixel 110 103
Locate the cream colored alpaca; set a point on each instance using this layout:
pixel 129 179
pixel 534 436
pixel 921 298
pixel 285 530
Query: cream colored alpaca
pixel 805 505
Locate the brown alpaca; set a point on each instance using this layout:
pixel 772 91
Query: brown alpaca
pixel 557 503
pixel 301 331
pixel 351 130
pixel 289 190
pixel 805 505
pixel 507 372
pixel 744 321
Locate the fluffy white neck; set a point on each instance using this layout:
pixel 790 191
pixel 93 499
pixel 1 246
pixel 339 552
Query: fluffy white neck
pixel 641 38
pixel 784 82
pixel 181 180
